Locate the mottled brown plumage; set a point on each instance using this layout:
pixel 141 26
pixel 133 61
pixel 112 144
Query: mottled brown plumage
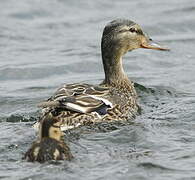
pixel 115 99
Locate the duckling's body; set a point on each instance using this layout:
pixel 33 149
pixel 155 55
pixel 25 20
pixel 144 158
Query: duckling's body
pixel 48 149
pixel 115 98
pixel 49 145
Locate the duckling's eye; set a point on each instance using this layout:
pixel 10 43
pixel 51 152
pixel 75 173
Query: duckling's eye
pixel 132 30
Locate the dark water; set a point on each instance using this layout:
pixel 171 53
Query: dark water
pixel 44 44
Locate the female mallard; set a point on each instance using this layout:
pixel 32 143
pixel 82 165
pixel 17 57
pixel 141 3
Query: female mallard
pixel 50 145
pixel 115 98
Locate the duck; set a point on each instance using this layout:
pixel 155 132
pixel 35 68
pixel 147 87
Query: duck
pixel 115 98
pixel 50 144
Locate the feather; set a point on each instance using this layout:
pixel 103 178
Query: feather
pixel 81 98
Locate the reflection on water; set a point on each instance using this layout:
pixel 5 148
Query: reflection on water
pixel 44 44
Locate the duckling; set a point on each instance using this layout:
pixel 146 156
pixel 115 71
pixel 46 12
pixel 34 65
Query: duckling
pixel 49 145
pixel 114 99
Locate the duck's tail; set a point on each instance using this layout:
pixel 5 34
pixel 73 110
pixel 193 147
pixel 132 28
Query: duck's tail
pixel 48 104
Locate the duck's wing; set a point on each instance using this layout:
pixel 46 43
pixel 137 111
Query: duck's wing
pixel 82 98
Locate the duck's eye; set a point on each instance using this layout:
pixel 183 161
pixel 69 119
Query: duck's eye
pixel 132 30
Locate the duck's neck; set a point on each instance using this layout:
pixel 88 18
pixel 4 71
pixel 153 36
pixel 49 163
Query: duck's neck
pixel 113 68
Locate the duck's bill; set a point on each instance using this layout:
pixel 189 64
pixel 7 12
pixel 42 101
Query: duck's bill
pixel 152 45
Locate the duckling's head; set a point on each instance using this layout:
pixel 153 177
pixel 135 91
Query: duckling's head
pixel 50 128
pixel 119 37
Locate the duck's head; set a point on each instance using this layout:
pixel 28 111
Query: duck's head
pixel 126 35
pixel 119 37
pixel 50 128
